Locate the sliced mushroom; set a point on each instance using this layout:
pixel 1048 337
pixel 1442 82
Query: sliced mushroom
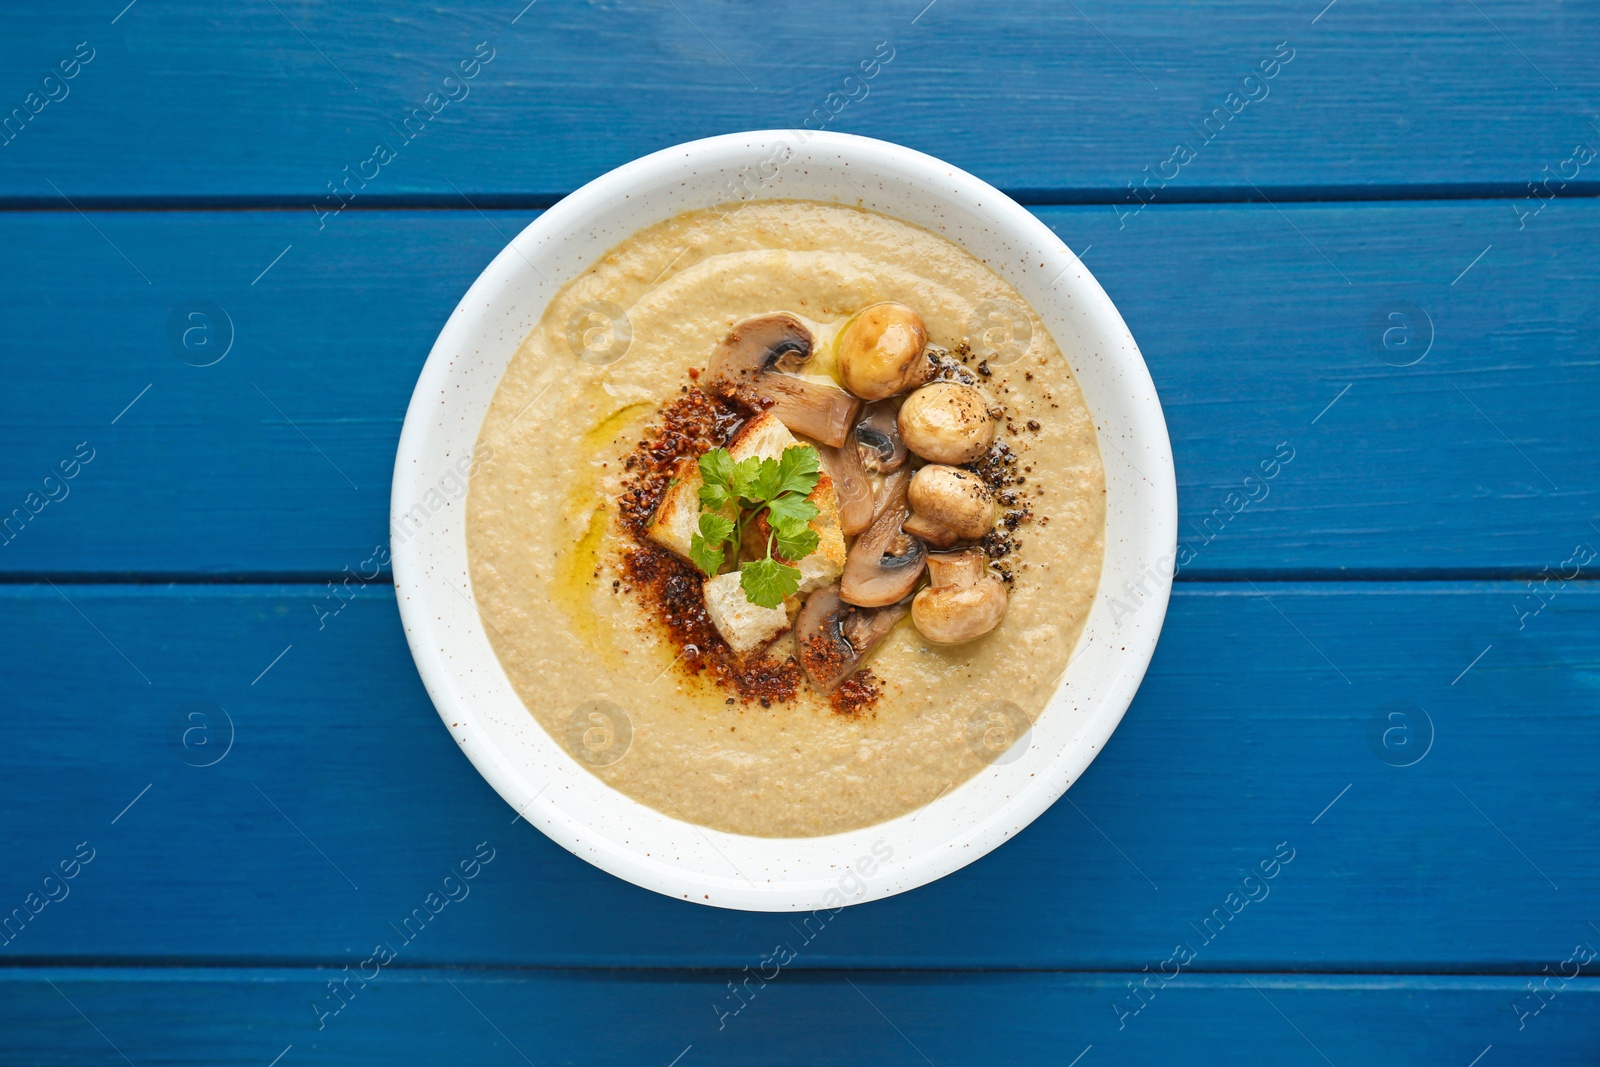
pixel 965 600
pixel 852 485
pixel 952 498
pixel 881 351
pixel 878 437
pixel 947 422
pixel 833 638
pixel 751 366
pixel 885 563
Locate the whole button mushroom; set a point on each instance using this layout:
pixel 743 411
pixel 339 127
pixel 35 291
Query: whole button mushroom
pixel 881 351
pixel 965 600
pixel 947 422
pixel 955 499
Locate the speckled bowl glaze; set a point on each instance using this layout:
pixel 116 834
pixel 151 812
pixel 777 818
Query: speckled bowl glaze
pixel 534 773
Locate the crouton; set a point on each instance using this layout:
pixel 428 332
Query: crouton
pixel 745 626
pixel 821 566
pixel 816 571
pixel 767 437
pixel 827 562
pixel 677 517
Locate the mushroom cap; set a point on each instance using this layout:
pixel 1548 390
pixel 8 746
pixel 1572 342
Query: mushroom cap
pixel 762 343
pixel 881 351
pixel 955 499
pixel 965 600
pixel 947 422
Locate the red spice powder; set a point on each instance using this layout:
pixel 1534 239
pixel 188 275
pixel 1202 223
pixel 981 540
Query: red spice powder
pixel 821 657
pixel 670 588
pixel 856 693
pixel 693 424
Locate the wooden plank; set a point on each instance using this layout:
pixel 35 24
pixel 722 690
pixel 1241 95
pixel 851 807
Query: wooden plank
pixel 248 1016
pixel 273 101
pixel 1256 322
pixel 1263 728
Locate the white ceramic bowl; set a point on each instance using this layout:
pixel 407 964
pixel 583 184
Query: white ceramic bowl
pixel 534 773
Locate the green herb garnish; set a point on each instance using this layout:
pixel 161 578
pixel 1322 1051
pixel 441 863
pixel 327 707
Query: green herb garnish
pixel 776 488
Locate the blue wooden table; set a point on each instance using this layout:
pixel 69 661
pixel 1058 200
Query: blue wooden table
pixel 1356 242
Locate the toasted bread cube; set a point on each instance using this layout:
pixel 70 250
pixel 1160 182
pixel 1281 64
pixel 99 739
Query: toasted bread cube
pixel 827 561
pixel 745 626
pixel 821 566
pixel 677 517
pixel 816 571
pixel 765 436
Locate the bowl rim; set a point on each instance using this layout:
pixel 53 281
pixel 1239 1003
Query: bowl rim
pixel 835 883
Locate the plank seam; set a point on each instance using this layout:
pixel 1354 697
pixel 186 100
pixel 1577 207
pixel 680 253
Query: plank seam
pixel 22 965
pixel 1062 197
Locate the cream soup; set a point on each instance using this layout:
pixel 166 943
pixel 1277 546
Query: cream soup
pixel 593 659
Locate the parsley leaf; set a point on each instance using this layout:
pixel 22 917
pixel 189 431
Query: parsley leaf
pixel 796 544
pixel 708 559
pixel 705 547
pixel 790 511
pixel 798 471
pixel 716 528
pixel 753 488
pixel 767 484
pixel 766 581
pixel 716 470
pixel 743 480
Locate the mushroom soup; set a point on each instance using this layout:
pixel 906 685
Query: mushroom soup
pixel 794 516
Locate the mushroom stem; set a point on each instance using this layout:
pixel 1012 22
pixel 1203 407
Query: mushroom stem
pixel 810 409
pixel 926 529
pixel 749 367
pixel 964 602
pixel 851 483
pixel 957 568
